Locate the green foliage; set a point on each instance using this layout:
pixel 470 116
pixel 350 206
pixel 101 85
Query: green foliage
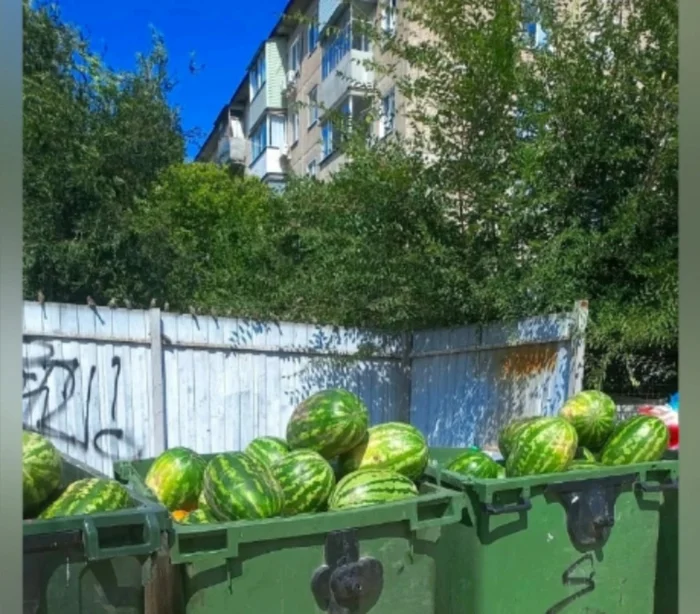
pixel 368 248
pixel 200 229
pixel 562 162
pixel 94 140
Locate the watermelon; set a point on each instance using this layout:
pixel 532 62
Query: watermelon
pixel 267 450
pixel 88 496
pixel 176 478
pixel 41 470
pixel 510 432
pixel 198 517
pixel 371 487
pixel 545 445
pixel 307 480
pixel 395 446
pixel 585 454
pixel 329 422
pixel 237 487
pixel 202 500
pixel 583 465
pixel 475 464
pixel 640 439
pixel 592 413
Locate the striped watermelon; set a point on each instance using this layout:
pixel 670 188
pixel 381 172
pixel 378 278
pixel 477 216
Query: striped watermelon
pixel 237 487
pixel 41 470
pixel 585 454
pixel 371 487
pixel 329 422
pixel 307 480
pixel 545 445
pixel 510 432
pixel 583 465
pixel 202 500
pixel 593 415
pixel 176 478
pixel 89 496
pixel 267 450
pixel 475 464
pixel 395 446
pixel 640 439
pixel 198 517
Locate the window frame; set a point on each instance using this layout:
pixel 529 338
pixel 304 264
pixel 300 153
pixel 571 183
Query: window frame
pixel 387 121
pixel 257 75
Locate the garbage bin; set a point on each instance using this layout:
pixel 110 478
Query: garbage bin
pixel 666 586
pixel 91 564
pixel 379 559
pixel 574 542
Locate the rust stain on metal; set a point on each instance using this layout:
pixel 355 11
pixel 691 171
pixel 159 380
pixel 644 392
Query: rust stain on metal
pixel 529 360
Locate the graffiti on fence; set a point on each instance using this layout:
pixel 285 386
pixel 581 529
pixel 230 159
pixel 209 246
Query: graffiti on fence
pixel 46 403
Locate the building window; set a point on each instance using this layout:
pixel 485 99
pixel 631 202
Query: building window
pixel 278 132
pixel 313 106
pixel 257 75
pixel 312 168
pixel 532 29
pixel 327 138
pixel 386 125
pixel 332 129
pixel 389 17
pixel 295 126
pixel 295 53
pixel 312 36
pixel 258 140
pixel 336 47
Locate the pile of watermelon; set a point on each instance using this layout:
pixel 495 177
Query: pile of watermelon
pixel 43 495
pixel 331 459
pixel 585 435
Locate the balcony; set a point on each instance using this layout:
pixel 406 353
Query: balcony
pixel 269 162
pixel 350 73
pixel 231 149
pixel 328 10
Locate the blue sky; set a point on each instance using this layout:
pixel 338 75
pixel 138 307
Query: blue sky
pixel 223 35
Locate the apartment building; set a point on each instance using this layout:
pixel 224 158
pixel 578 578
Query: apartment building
pixel 312 62
pixel 277 121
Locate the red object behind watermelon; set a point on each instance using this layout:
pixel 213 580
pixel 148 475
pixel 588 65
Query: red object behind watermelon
pixel 670 419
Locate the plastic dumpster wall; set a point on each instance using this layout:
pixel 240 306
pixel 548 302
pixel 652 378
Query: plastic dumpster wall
pixel 379 559
pixel 91 564
pixel 571 543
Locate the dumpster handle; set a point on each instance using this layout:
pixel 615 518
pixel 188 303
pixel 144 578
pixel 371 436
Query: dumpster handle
pixel 91 536
pixel 441 514
pixel 523 505
pixel 658 486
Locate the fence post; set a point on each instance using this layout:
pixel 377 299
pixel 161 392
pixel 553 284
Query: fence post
pixel 406 366
pixel 160 440
pixel 578 347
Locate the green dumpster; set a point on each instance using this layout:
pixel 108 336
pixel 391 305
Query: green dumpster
pixel 574 543
pixel 666 589
pixel 379 559
pixel 91 564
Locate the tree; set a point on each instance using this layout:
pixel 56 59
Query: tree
pixel 367 248
pixel 560 159
pixel 94 140
pixel 203 232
